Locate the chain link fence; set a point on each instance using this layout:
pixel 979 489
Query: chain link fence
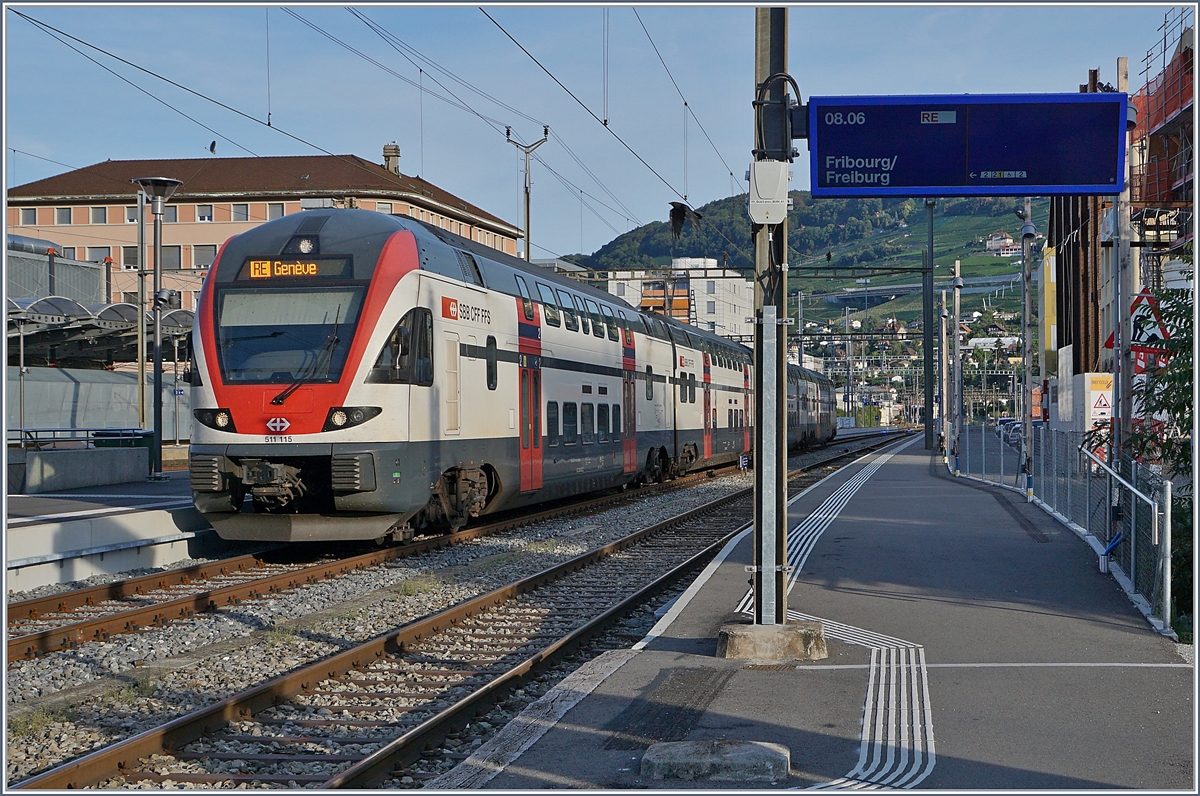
pixel 1122 511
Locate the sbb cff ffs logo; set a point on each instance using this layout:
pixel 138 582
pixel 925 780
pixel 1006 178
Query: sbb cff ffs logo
pixel 449 308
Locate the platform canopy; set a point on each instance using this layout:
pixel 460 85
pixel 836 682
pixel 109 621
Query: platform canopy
pixel 59 331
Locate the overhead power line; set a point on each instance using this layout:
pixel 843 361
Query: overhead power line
pixel 686 104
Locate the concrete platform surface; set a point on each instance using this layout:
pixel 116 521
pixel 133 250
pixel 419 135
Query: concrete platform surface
pixel 138 495
pixel 947 608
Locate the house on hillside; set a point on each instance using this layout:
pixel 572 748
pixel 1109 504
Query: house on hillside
pixel 998 240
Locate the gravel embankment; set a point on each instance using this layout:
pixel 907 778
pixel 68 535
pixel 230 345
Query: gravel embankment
pixel 69 703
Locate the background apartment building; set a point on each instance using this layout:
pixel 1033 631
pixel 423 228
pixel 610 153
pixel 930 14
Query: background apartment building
pixel 694 290
pixel 92 212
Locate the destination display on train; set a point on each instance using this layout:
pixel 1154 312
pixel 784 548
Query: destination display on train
pixel 967 145
pixel 295 268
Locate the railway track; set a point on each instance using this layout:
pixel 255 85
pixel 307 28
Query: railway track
pixel 351 719
pixel 66 620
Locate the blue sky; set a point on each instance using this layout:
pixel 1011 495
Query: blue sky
pixel 62 107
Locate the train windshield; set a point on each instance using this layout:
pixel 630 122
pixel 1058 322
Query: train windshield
pixel 269 336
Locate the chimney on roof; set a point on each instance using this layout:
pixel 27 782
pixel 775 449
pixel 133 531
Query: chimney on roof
pixel 391 157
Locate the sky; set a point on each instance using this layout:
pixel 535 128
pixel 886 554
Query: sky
pixel 66 109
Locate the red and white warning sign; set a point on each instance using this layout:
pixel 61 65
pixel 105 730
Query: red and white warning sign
pixel 1147 330
pixel 1101 408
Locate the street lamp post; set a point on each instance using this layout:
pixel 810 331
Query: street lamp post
pixel 159 189
pixel 1027 236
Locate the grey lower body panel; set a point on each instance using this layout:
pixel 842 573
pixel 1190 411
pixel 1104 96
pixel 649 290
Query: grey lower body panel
pixel 300 527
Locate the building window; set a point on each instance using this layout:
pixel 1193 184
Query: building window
pixel 131 214
pixel 130 297
pixel 129 257
pixel 204 213
pixel 96 254
pixel 712 326
pixel 171 257
pixel 68 253
pixel 620 288
pixel 62 215
pixel 28 216
pixel 275 210
pixel 712 307
pixel 203 255
pixel 99 215
pixel 170 214
pixel 384 207
pixel 241 212
pixel 712 287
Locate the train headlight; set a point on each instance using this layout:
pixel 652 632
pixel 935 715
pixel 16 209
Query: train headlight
pixel 220 419
pixel 342 417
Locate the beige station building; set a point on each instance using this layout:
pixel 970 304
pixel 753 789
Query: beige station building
pixel 91 214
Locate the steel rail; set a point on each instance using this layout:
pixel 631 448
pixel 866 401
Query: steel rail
pixel 122 758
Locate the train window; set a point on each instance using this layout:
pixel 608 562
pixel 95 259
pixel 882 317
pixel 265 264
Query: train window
pixel 597 324
pixel 570 417
pixel 469 267
pixel 550 306
pixel 526 301
pixel 616 422
pixel 564 301
pixel 649 383
pixel 731 418
pixel 626 327
pixel 646 323
pixel 587 423
pixel 407 355
pixel 691 388
pixel 491 362
pixel 683 388
pixel 602 422
pixel 714 425
pixel 583 318
pixel 551 424
pixel 524 409
pixel 611 322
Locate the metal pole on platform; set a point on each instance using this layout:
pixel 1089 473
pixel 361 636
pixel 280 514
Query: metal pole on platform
pixel 958 365
pixel 1027 235
pixel 943 380
pixel 21 378
pixel 141 312
pixel 160 190
pixel 927 330
pixel 772 142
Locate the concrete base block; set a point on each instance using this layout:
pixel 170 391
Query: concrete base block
pixel 795 641
pixel 729 761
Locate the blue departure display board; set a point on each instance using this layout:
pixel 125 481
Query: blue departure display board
pixel 968 145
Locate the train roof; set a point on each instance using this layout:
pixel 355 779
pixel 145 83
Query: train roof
pixel 362 234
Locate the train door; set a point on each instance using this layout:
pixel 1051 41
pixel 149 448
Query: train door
pixel 629 457
pixel 529 361
pixel 709 423
pixel 451 417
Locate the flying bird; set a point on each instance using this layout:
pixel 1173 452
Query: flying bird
pixel 213 147
pixel 679 214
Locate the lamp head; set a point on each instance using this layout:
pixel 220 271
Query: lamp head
pixel 158 187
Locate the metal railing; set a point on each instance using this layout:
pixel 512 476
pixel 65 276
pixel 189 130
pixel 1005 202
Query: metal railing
pixel 1123 512
pixel 49 438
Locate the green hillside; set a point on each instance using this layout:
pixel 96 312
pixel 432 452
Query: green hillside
pixel 863 233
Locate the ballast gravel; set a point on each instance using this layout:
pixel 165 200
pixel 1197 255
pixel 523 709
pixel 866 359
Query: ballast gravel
pixel 69 703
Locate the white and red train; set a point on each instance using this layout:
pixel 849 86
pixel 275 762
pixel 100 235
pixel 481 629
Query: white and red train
pixel 360 375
